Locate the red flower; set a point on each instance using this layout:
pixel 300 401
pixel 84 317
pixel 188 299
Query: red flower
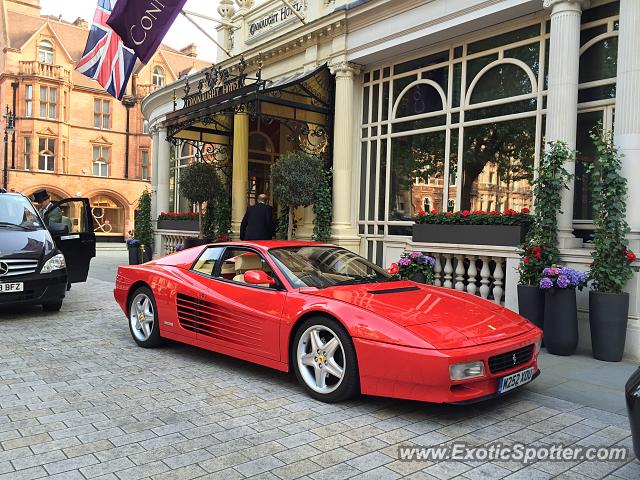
pixel 434 212
pixel 393 269
pixel 631 256
pixel 537 255
pixel 525 210
pixel 536 250
pixel 448 214
pixel 525 259
pixel 493 212
pixel 465 213
pixel 421 213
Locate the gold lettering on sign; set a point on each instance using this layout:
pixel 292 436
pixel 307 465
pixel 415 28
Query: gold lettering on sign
pixel 146 22
pixel 229 87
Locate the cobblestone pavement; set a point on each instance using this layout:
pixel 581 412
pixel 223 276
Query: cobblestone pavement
pixel 79 400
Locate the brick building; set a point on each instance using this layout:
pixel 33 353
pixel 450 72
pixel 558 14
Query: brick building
pixel 71 137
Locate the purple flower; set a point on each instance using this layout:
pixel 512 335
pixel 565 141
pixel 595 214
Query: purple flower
pixel 551 272
pixel 404 262
pixel 563 281
pixel 414 255
pixel 546 283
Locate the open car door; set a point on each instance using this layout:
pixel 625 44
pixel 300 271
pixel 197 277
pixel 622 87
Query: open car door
pixel 71 226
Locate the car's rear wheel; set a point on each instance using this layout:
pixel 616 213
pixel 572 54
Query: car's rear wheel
pixel 324 360
pixel 143 318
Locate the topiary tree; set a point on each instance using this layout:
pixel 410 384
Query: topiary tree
pixel 217 216
pixel 199 182
pixel 295 178
pixel 143 230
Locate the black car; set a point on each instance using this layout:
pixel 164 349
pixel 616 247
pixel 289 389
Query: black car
pixel 38 258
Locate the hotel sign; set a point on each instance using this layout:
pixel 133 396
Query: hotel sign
pixel 275 20
pixel 203 96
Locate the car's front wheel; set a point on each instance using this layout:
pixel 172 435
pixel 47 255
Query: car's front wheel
pixel 324 360
pixel 143 318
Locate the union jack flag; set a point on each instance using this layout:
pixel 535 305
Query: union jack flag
pixel 105 58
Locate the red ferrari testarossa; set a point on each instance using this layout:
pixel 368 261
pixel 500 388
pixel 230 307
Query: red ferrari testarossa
pixel 341 323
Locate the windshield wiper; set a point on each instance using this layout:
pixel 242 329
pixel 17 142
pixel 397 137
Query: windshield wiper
pixel 13 225
pixel 362 280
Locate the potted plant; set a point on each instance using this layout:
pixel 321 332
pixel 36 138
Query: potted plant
pixel 294 179
pixel 415 266
pixel 541 249
pixel 508 228
pixel 612 265
pixel 141 242
pixel 560 310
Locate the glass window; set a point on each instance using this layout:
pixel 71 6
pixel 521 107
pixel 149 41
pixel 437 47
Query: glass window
pixel 415 157
pixel 158 76
pixel 28 100
pixel 45 52
pixel 102 114
pixel 502 81
pixel 145 126
pixel 600 61
pixel 46 155
pixel 237 261
pixel 582 198
pixel 48 102
pixel 144 162
pixel 27 153
pixel 101 161
pixel 421 98
pixel 206 264
pixel 496 156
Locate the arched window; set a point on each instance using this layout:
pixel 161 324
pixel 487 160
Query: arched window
pixel 502 81
pixel 101 157
pixel 45 52
pixel 419 99
pixel 158 76
pixel 599 61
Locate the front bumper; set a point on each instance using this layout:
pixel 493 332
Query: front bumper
pixel 419 374
pixel 38 289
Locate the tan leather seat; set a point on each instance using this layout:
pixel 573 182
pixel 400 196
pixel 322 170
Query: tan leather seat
pixel 245 263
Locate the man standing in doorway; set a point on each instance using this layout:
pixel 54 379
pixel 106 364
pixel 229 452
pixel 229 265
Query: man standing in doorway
pixel 257 223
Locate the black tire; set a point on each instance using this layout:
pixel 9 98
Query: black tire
pixel 52 306
pixel 153 339
pixel 349 385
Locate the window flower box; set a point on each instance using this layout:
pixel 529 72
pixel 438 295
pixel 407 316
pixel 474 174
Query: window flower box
pixel 508 228
pixel 186 221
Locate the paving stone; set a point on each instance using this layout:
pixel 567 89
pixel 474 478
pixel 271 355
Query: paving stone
pixel 71 464
pixel 260 465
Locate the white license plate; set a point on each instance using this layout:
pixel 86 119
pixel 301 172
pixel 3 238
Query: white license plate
pixel 11 287
pixel 515 380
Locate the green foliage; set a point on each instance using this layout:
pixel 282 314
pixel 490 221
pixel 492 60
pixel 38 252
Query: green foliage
pixel 547 192
pixel 143 230
pixel 612 262
pixel 294 178
pixel 281 229
pixel 509 217
pixel 323 208
pixel 217 216
pixel 199 182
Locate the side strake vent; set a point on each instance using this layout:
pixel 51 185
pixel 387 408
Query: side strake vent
pixel 393 290
pixel 208 319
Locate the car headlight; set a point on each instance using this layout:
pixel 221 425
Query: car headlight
pixel 54 263
pixel 464 371
pixel 537 348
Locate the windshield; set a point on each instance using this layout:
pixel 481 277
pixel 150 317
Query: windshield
pixel 17 212
pixel 322 267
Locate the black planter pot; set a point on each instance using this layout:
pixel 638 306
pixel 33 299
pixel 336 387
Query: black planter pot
pixel 184 225
pixel 507 235
pixel 561 321
pixel 146 255
pixel 418 277
pixel 134 254
pixel 531 304
pixel 632 391
pixel 608 315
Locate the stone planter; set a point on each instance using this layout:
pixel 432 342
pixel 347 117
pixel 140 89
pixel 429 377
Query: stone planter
pixel 561 321
pixel 503 235
pixel 185 225
pixel 531 304
pixel 608 315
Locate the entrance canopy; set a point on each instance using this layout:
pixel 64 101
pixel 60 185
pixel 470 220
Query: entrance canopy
pixel 303 103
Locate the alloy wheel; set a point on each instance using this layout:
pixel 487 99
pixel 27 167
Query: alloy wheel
pixel 142 317
pixel 321 359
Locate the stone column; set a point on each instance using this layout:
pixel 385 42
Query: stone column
pixel 627 125
pixel 154 177
pixel 240 183
pixel 343 228
pixel 163 169
pixel 562 102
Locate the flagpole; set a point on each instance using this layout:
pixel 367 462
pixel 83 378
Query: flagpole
pixel 206 33
pixel 196 14
pixel 300 17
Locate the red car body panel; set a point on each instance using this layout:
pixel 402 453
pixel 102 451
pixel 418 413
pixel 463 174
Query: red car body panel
pixel 405 340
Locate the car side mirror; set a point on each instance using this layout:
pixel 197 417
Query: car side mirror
pixel 258 277
pixel 58 229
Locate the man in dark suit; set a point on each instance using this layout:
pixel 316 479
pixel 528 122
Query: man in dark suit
pixel 46 207
pixel 257 223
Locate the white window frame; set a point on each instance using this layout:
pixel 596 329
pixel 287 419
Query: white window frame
pixel 100 161
pixel 45 52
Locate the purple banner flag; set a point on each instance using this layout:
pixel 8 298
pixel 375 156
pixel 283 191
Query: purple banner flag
pixel 142 24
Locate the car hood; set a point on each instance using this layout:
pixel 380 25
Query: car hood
pixel 443 317
pixel 25 243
